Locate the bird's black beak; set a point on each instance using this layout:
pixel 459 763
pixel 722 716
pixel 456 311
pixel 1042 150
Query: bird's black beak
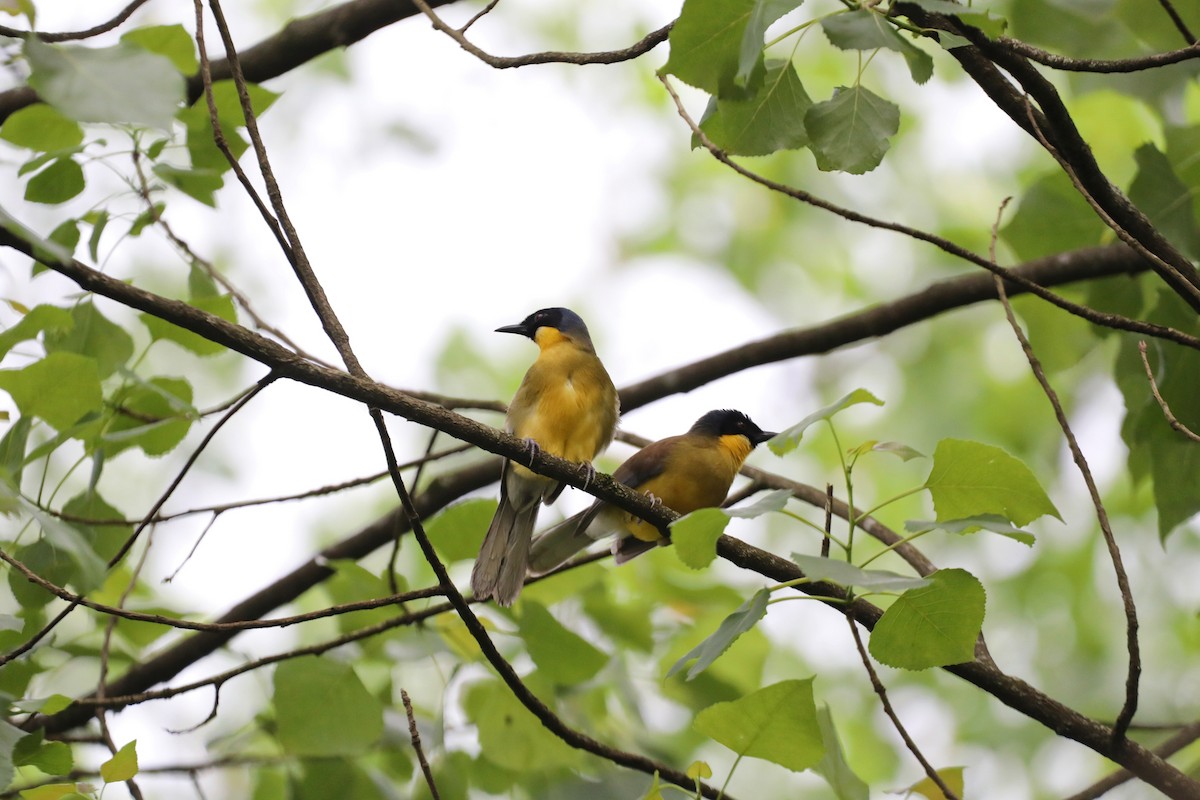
pixel 762 436
pixel 520 328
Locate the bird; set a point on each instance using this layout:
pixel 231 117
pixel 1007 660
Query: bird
pixel 566 405
pixel 686 472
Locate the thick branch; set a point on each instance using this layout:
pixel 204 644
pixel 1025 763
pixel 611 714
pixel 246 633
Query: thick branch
pixel 299 42
pixel 885 318
pixel 1051 119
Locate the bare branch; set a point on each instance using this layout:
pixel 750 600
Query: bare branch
pixel 88 33
pixel 1131 621
pixel 1123 65
pixel 1172 420
pixel 641 47
pixel 416 742
pixel 1108 320
pixel 881 693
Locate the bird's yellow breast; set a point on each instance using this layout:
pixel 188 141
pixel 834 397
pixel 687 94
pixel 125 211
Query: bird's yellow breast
pixel 566 403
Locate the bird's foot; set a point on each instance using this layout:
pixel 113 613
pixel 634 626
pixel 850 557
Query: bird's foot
pixel 589 475
pixel 655 501
pixel 532 448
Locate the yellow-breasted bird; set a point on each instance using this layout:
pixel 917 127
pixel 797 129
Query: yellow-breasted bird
pixel 566 405
pixel 685 472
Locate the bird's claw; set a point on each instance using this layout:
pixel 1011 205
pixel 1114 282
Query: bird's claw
pixel 532 448
pixel 655 501
pixel 589 474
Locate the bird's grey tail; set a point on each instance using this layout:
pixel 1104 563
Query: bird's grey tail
pixel 500 569
pixel 628 547
pixel 559 543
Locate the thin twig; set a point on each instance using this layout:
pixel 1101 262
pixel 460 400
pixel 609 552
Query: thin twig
pixel 1129 708
pixel 263 383
pixel 478 16
pixel 1122 65
pixel 96 30
pixel 1172 420
pixel 1187 290
pixel 1091 315
pixel 416 742
pixel 1177 21
pixel 881 692
pixel 207 266
pixel 1185 736
pixel 222 508
pixel 184 624
pixel 641 47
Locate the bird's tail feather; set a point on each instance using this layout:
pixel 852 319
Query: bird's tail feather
pixel 557 544
pixel 628 547
pixel 500 569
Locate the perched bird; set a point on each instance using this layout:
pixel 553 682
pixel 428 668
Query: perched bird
pixel 685 472
pixel 566 405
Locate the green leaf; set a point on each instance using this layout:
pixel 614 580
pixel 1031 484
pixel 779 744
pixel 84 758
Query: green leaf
pixel 951 776
pixel 561 655
pixel 45 561
pixel 54 791
pixel 201 147
pixel 60 388
pixel 843 574
pixel 1155 449
pixel 92 334
pixel 970 479
pixel 509 735
pixel 768 120
pixel 833 768
pixel 122 766
pixel 1052 218
pixel 1165 199
pixel 983 522
pixel 199 184
pixel 774 500
pixel 850 132
pixel 155 416
pixel 715 46
pixel 57 183
pixel 323 709
pixel 457 532
pixel 41 127
pixel 104 540
pixel 171 41
pixel 52 758
pixel 933 626
pixel 789 439
pixel 160 329
pixel 44 705
pixel 9 736
pixel 901 451
pixel 762 16
pixel 777 723
pixel 43 249
pixel 865 29
pixel 12 449
pixel 733 626
pixel 98 220
pixel 66 235
pixel 120 84
pixel 695 536
pixel 40 318
pixel 351 583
